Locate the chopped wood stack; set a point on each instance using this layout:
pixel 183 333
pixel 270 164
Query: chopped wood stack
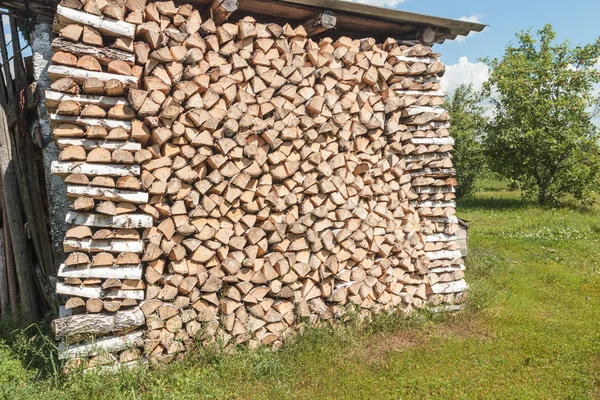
pixel 279 181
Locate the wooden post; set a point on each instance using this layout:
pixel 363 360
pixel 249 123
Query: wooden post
pixel 322 22
pixel 11 278
pixel 16 223
pixel 220 10
pixel 4 299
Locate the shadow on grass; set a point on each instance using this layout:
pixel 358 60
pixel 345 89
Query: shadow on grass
pixel 476 203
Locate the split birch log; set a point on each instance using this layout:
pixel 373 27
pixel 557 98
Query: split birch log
pixel 81 75
pixel 85 271
pixel 56 119
pixel 450 287
pixel 108 221
pixel 108 194
pixel 444 255
pixel 112 246
pixel 101 346
pixel 89 144
pixel 106 26
pixel 66 168
pixel 97 324
pixel 90 292
pixel 53 99
pixel 103 54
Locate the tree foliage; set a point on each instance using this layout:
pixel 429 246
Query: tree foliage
pixel 467 129
pixel 541 135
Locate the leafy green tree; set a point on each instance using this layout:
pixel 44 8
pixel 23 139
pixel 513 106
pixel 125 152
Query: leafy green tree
pixel 467 129
pixel 541 135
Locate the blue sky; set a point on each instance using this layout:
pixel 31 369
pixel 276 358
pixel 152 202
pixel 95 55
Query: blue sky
pixel 576 21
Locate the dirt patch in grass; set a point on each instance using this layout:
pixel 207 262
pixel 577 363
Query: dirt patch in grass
pixel 463 327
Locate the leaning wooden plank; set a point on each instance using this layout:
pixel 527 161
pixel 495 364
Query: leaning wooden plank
pixel 86 271
pixel 102 345
pixel 67 168
pixel 443 255
pixel 109 221
pixel 106 26
pixel 95 324
pixel 53 99
pixel 446 140
pixel 91 292
pixel 104 55
pixel 90 144
pixel 56 119
pixel 80 75
pixel 441 237
pixel 108 194
pixel 450 287
pixel 111 246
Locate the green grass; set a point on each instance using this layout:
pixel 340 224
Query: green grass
pixel 531 331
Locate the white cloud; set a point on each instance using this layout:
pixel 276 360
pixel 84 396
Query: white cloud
pixel 465 72
pixel 473 18
pixel 379 3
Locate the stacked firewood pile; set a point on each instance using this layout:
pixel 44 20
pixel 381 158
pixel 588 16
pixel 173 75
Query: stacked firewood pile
pixel 263 179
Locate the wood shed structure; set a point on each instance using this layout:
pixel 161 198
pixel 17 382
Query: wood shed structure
pixel 232 171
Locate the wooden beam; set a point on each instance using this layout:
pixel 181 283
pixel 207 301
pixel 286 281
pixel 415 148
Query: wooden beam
pixel 67 168
pixel 53 99
pixel 95 324
pixel 103 54
pixel 220 10
pixel 87 271
pixel 322 22
pixel 80 75
pixel 108 221
pixel 105 25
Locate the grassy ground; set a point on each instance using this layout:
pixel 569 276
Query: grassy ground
pixel 531 331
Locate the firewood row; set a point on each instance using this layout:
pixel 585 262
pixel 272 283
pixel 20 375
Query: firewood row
pixel 266 180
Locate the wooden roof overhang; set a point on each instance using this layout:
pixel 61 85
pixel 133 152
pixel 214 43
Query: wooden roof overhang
pixel 343 18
